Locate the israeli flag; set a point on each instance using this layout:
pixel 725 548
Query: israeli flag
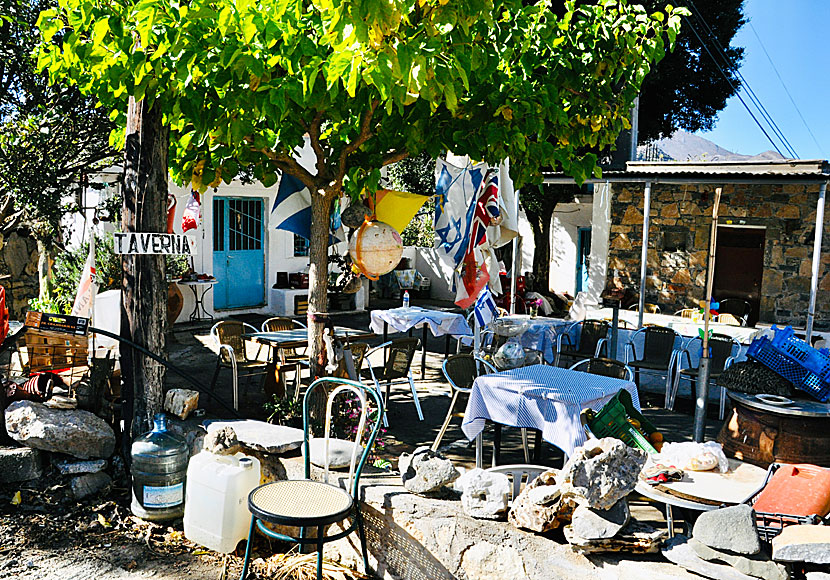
pixel 485 307
pixel 292 207
pixel 455 190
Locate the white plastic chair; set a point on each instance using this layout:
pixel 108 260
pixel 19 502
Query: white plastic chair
pixel 519 475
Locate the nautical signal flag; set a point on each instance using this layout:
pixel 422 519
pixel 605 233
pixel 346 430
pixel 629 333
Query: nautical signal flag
pixel 396 208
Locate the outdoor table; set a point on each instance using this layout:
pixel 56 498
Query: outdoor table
pixel 199 298
pixel 440 322
pixel 298 337
pixel 548 399
pixel 540 333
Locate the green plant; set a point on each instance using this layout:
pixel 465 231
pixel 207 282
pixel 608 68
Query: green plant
pixel 284 411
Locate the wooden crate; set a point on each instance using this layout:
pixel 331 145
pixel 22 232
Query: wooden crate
pixel 51 351
pixel 300 305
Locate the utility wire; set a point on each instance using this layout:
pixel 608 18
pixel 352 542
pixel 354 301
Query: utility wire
pixel 786 90
pixel 731 82
pixel 751 93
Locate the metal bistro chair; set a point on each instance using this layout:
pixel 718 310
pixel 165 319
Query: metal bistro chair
pixel 233 354
pixel 737 307
pixel 317 504
pixel 658 357
pixel 686 313
pixel 460 370
pixel 288 358
pixel 605 367
pixel 593 336
pixel 397 369
pixel 721 358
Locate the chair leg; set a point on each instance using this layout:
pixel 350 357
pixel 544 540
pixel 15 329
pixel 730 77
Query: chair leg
pixel 363 546
pixel 415 398
pixel 446 424
pixel 385 402
pixel 525 446
pixel 319 552
pixel 496 444
pixel 722 410
pixel 248 549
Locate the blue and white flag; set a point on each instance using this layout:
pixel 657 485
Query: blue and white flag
pixel 485 307
pixel 455 203
pixel 292 207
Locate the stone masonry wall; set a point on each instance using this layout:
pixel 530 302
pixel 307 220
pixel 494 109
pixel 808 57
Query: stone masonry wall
pixel 676 279
pixel 18 273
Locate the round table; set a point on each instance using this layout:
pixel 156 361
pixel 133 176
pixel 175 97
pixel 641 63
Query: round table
pixel 199 298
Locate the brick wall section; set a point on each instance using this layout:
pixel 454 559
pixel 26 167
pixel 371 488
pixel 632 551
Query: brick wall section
pixel 676 279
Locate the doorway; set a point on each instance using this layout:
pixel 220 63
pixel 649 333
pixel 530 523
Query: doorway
pixel 583 258
pixel 739 266
pixel 238 254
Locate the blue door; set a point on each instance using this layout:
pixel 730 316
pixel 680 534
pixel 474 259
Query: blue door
pixel 583 258
pixel 238 255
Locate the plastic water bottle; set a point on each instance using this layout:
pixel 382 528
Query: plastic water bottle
pixel 406 298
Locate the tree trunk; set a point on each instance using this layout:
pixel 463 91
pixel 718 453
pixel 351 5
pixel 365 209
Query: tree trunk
pixel 143 289
pixel 44 270
pixel 540 224
pixel 318 280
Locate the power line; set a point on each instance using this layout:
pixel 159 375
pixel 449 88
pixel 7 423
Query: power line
pixel 751 93
pixel 786 90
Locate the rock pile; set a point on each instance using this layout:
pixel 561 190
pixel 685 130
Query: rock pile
pixel 425 471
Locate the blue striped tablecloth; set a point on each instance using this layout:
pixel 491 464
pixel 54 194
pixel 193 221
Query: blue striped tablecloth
pixel 439 322
pixel 541 397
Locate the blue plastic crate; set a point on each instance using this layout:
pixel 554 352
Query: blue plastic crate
pixel 763 351
pixel 817 361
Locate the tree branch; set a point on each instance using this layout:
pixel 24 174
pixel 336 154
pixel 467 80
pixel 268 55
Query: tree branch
pixel 314 135
pixel 363 135
pixel 289 165
pixel 393 157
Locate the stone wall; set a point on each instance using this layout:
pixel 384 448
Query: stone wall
pixel 676 278
pixel 18 273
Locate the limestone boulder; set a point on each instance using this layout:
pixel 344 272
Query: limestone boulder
pixel 594 524
pixel 601 472
pixel 732 528
pixel 89 484
pixel 483 494
pixel 181 402
pixel 425 471
pixel 261 436
pixel 539 507
pixel 222 441
pixel 809 544
pixel 73 432
pixel 758 566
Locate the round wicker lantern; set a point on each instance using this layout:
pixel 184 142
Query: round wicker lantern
pixel 375 248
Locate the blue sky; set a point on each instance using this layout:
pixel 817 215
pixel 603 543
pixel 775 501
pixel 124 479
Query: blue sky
pixel 795 34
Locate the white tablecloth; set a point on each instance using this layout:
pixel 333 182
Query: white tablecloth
pixel 541 397
pixel 402 319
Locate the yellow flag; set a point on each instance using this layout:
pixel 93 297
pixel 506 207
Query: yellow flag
pixel 397 208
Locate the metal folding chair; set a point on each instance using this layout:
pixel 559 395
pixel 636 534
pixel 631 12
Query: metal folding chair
pixel 721 357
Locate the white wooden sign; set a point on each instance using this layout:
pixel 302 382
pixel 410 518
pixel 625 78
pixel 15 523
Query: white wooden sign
pixel 147 243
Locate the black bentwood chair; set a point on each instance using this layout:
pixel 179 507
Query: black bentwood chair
pixel 305 503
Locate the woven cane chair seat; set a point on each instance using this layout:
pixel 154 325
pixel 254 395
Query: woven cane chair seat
pixel 300 503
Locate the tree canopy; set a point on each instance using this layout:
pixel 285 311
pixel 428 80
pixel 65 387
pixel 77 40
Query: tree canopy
pixel 50 135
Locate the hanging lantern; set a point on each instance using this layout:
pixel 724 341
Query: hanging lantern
pixel 375 248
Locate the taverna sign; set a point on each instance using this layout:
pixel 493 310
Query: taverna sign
pixel 148 243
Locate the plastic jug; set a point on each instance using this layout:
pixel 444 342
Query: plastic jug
pixel 796 490
pixel 216 507
pixel 159 466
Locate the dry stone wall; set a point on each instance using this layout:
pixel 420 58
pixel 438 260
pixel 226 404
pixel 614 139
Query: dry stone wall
pixel 18 273
pixel 679 238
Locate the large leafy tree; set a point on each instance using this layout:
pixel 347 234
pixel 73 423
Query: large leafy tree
pixel 241 83
pixel 50 135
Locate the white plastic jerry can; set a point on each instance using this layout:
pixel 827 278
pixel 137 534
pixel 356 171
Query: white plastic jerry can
pixel 216 499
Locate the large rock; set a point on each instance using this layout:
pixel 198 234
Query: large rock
pixel 538 507
pixel 593 524
pixel 77 433
pixel 20 464
pixel 678 551
pixel 181 402
pixel 732 528
pixel 261 436
pixel 483 494
pixel 601 472
pixel 221 441
pixel 758 566
pixel 809 544
pixel 425 470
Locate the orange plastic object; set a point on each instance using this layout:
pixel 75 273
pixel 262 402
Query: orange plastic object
pixel 798 490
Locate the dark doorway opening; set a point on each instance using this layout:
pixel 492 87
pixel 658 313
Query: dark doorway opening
pixel 739 266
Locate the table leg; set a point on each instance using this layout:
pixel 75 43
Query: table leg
pixel 195 314
pixel 670 521
pixel 496 444
pixel 385 335
pixel 447 347
pixel 480 450
pixel 424 353
pixel 202 302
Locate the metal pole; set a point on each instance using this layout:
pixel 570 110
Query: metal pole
pixel 703 367
pixel 811 311
pixel 644 256
pixel 514 273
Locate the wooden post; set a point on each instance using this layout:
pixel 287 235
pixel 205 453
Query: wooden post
pixel 143 288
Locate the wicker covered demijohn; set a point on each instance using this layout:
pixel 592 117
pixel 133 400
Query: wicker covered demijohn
pixel 375 248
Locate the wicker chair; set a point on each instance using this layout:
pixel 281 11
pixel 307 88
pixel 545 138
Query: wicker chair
pixel 233 354
pixel 686 313
pixel 605 367
pixel 593 335
pixel 659 356
pixel 288 358
pixel 723 350
pixel 307 503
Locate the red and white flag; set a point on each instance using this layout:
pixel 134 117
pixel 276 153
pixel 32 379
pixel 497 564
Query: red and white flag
pixel 192 215
pixel 88 287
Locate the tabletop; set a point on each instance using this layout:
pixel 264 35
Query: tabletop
pixel 299 336
pixel 440 322
pixel 541 397
pixel 195 282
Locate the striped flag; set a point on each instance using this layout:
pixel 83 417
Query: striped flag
pixel 292 207
pixel 485 307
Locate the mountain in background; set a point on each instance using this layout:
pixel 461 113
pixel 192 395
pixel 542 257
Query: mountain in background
pixel 683 146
